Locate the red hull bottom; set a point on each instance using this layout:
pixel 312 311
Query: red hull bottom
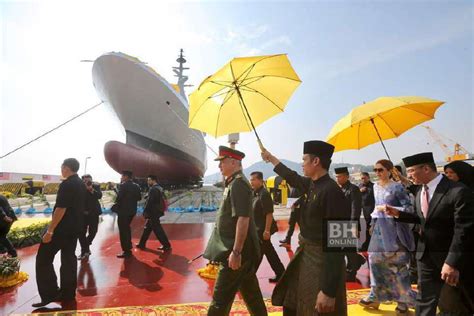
pixel 168 169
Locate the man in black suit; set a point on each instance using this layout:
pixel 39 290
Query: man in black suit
pixel 7 217
pixel 126 208
pixel 262 208
pixel 91 215
pixel 354 199
pixel 445 212
pixel 294 217
pixel 63 231
pixel 154 209
pixel 368 204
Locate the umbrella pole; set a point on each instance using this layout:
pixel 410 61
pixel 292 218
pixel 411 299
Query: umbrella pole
pixel 381 141
pixel 260 144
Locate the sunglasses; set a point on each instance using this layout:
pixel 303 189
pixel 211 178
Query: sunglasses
pixel 379 169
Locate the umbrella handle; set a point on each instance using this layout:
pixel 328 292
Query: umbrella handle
pixel 195 258
pixel 250 118
pixel 381 141
pixel 260 144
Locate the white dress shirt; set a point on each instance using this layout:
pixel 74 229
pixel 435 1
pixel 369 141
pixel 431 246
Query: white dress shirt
pixel 432 186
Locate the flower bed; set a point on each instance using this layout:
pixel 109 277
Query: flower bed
pixel 24 236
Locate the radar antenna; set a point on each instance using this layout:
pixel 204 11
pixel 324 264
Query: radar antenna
pixel 179 72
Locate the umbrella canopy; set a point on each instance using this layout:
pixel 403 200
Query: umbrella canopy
pixel 381 119
pixel 243 94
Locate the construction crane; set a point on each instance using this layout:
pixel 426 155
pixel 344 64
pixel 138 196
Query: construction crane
pixel 460 153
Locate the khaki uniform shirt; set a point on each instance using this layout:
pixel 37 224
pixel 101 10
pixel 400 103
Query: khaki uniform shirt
pixel 236 202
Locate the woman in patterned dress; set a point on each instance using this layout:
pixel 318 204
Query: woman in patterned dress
pixel 390 245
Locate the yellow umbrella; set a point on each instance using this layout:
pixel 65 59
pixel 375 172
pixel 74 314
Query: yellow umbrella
pixel 381 119
pixel 242 94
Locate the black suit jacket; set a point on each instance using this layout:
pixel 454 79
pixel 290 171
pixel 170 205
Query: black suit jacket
pixel 368 199
pixel 154 204
pixel 354 198
pixel 92 200
pixel 446 235
pixel 127 198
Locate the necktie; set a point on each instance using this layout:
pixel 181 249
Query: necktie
pixel 425 201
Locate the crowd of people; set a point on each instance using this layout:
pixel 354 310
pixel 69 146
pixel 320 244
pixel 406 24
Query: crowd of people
pixel 76 218
pixel 425 220
pixel 418 225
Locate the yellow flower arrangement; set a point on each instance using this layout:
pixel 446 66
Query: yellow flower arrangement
pixel 209 271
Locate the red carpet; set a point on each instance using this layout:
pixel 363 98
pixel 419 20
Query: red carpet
pixel 150 278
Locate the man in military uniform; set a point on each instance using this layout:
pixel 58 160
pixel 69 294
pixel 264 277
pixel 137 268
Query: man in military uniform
pixel 234 242
pixel 262 206
pixel 354 199
pixel 314 282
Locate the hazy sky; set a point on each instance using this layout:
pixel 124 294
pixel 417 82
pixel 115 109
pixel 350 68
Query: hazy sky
pixel 345 52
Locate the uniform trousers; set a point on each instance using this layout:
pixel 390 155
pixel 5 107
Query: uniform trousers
pixel 230 281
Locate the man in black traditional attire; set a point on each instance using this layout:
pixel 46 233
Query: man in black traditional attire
pixel 314 281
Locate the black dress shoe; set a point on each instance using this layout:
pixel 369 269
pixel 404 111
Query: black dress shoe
pixel 141 247
pixel 163 248
pixel 401 309
pixel 41 304
pixel 124 255
pixel 47 301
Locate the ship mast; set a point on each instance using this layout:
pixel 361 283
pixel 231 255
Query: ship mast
pixel 179 72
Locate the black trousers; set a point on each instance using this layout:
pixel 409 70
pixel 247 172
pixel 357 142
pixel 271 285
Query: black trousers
pixel 91 225
pixel 125 231
pixel 5 242
pixel 292 223
pixel 413 269
pixel 269 251
pixel 354 261
pixel 155 226
pixel 368 219
pixel 430 287
pixel 230 281
pixel 46 278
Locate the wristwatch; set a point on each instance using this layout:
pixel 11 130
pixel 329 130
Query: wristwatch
pixel 236 252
